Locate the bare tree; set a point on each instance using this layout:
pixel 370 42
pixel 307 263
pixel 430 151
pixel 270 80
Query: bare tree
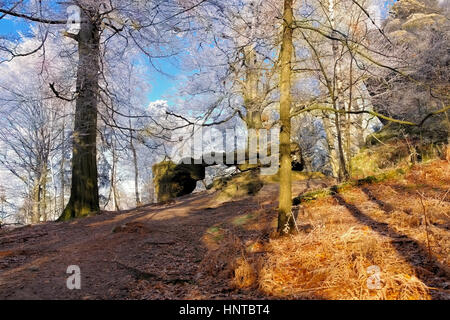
pixel 140 24
pixel 286 221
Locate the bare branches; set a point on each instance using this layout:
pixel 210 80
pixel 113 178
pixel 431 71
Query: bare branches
pixel 58 95
pixel 204 124
pixel 371 112
pixel 31 18
pixel 15 54
pixel 371 20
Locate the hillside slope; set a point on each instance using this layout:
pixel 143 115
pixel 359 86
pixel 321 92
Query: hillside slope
pixel 151 252
pixel 197 247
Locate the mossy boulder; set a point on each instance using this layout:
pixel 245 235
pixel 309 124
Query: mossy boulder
pixel 298 163
pixel 175 180
pixel 345 186
pixel 247 166
pixel 244 184
pixel 296 176
pixel 400 146
pixel 433 131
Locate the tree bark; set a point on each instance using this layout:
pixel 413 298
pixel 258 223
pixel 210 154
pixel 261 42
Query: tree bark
pixel 84 198
pixel 62 167
pixel 343 173
pixel 286 222
pixel 136 175
pixel 36 214
pixel 136 168
pixel 43 193
pixel 331 144
pixel 252 106
pixel 348 129
pixel 338 103
pixel 114 190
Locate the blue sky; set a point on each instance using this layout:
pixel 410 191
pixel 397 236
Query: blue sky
pixel 160 83
pixel 13 26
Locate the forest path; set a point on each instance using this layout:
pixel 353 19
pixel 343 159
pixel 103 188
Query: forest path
pixel 151 252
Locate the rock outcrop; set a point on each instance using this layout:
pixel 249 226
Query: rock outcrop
pixel 173 180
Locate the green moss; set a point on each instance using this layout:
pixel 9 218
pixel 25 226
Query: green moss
pixel 398 146
pixel 369 179
pixel 364 163
pixel 243 184
pixel 247 166
pixel 296 176
pixel 391 174
pixel 243 219
pixel 172 180
pixel 343 187
pixel 397 153
pixel 214 229
pixel 216 232
pixel 310 196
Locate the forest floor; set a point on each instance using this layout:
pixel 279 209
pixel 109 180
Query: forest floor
pixel 198 248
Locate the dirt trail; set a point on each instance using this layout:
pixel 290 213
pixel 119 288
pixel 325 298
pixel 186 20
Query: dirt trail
pixel 150 252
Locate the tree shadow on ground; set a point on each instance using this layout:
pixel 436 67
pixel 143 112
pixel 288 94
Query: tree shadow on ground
pixel 386 207
pixel 411 250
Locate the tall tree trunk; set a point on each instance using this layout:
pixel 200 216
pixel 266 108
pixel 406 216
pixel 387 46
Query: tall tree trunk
pixel 331 144
pixel 254 126
pixel 43 192
pixel 136 168
pixel 136 174
pixel 253 119
pixel 35 200
pixel 286 222
pixel 337 98
pixel 343 172
pixel 62 168
pixel 84 198
pixel 114 190
pixel 359 105
pixel 338 104
pixel 44 203
pixel 348 128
